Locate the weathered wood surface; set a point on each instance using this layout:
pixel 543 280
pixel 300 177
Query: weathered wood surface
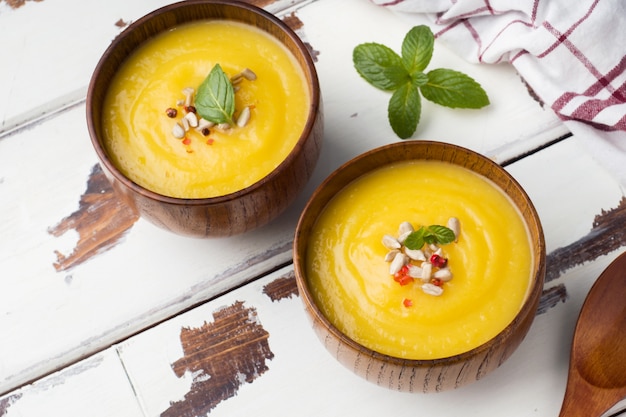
pixel 96 386
pixel 83 278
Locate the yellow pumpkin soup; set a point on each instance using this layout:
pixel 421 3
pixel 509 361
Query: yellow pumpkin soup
pixel 152 93
pixel 464 282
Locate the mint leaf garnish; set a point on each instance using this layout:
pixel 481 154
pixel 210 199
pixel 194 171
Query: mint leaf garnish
pixel 215 99
pixel 419 78
pixel 404 76
pixel 404 110
pixel 454 89
pixel 417 48
pixel 415 240
pixel 437 234
pixel 380 66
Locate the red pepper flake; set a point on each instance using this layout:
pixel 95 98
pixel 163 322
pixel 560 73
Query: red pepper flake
pixel 186 141
pixel 404 280
pixel 437 281
pixel 438 261
pixel 210 141
pixel 407 302
pixel 403 271
pixel 402 276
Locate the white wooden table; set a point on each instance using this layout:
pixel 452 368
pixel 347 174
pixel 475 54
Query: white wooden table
pixel 97 324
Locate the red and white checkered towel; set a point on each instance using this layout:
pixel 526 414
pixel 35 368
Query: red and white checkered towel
pixel 571 53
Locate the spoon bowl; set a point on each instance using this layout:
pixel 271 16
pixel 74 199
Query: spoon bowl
pixel 597 370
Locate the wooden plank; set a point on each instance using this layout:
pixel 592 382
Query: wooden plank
pixel 569 189
pixel 95 387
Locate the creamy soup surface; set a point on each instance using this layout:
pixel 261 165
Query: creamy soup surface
pixel 138 134
pixel 491 262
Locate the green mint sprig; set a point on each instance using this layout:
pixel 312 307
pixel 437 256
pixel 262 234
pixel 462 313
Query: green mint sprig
pixel 215 99
pixel 404 76
pixel 429 234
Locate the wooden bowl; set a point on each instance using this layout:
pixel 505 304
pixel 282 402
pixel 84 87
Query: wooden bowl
pixel 410 375
pixel 239 211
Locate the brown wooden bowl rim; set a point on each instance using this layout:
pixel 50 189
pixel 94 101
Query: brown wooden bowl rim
pixel 309 70
pixel 529 306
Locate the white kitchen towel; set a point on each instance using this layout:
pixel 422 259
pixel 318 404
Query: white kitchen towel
pixel 571 53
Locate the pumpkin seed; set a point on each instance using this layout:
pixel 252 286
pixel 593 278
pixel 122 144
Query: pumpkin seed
pixel 432 289
pixel 188 93
pixel 244 117
pixel 391 242
pixel 443 274
pixel 427 269
pixel 398 262
pixel 415 254
pixel 178 131
pixel 415 271
pixel 192 119
pixel 405 227
pixel 391 254
pixel 455 225
pixel 248 74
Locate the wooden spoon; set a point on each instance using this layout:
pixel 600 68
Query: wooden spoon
pixel 597 370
